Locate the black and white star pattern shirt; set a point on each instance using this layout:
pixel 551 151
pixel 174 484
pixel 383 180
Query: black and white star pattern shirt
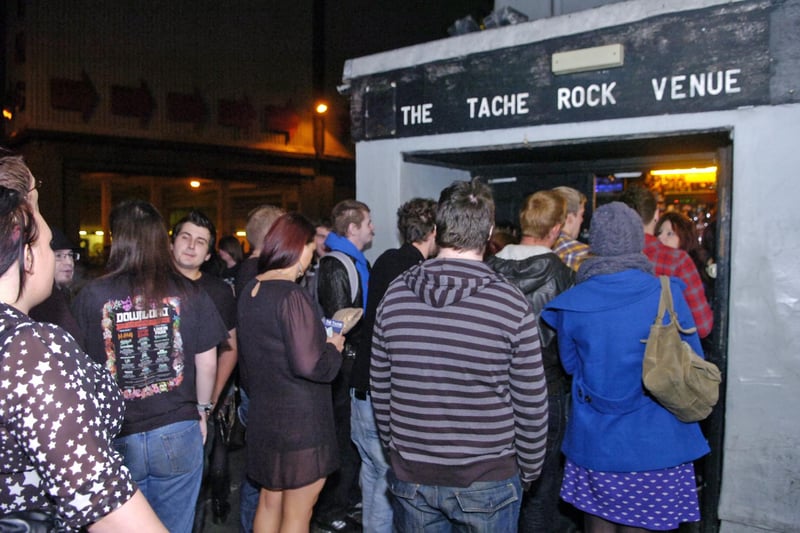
pixel 59 412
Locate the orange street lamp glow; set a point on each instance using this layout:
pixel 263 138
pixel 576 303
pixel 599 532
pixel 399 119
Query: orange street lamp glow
pixel 194 184
pixel 321 108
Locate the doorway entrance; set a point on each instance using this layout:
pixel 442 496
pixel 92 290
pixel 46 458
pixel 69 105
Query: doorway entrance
pixel 690 172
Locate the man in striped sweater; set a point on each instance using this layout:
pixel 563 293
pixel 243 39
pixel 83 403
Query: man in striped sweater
pixel 457 381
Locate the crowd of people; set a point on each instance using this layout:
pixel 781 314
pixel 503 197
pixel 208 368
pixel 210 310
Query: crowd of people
pixel 489 382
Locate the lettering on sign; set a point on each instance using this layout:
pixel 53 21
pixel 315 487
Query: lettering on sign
pixel 498 106
pixel 697 85
pixel 417 114
pixel 594 95
pixel 712 59
pixel 128 316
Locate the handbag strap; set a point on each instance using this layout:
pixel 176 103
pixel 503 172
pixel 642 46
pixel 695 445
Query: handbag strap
pixel 665 304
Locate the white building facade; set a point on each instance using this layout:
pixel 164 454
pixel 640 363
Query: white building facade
pixel 630 87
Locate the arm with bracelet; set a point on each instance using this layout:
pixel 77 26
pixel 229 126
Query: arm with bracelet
pixel 206 373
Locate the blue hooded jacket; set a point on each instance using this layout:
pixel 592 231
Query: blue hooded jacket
pixel 614 426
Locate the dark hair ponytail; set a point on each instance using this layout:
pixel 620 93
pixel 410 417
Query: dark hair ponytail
pixel 17 230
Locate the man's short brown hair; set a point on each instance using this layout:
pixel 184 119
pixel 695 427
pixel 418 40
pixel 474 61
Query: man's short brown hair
pixel 416 219
pixel 642 200
pixel 465 216
pixel 347 212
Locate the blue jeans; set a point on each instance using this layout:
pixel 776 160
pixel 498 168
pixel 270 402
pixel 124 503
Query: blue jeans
pixel 540 512
pixel 376 510
pixel 483 507
pixel 167 465
pixel 248 504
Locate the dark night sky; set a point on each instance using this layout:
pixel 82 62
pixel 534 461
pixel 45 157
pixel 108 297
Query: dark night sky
pixel 355 28
pixel 367 27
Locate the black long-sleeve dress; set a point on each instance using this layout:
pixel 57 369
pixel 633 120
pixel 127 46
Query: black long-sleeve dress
pixel 287 367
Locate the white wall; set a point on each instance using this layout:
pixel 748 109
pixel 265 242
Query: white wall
pixel 384 182
pixel 761 475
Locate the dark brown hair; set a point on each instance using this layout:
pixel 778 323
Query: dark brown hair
pixel 642 200
pixel 17 226
pixel 465 216
pixel 17 230
pixel 686 231
pixel 231 244
pixel 416 219
pixel 140 250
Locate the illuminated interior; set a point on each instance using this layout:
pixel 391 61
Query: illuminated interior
pixel 687 189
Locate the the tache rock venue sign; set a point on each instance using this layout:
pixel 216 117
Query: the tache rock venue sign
pixel 705 60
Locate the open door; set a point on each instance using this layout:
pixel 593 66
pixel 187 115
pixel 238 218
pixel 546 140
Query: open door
pixel 602 169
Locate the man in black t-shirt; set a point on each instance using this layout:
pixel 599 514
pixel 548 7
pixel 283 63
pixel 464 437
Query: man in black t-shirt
pixel 192 242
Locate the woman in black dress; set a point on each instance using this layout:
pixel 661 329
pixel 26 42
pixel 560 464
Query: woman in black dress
pixel 287 363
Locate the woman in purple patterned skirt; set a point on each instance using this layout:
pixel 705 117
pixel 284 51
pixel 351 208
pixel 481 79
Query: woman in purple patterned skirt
pixel 629 460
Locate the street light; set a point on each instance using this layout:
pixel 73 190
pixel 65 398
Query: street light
pixel 319 128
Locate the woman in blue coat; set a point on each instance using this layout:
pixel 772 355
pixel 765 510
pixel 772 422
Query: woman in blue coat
pixel 629 460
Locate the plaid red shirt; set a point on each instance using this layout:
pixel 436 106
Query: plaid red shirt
pixel 570 251
pixel 677 263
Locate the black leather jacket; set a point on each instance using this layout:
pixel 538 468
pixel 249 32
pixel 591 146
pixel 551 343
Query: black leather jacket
pixel 541 278
pixel 334 294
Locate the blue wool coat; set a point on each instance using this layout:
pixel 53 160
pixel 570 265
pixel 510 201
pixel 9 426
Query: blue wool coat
pixel 613 425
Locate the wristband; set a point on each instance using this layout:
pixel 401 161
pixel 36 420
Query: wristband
pixel 205 407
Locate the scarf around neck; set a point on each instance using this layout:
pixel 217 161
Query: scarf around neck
pixel 597 265
pixel 341 244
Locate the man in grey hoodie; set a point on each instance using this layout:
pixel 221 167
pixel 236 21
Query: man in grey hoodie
pixel 457 380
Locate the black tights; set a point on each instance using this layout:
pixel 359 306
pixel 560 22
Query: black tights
pixel 595 524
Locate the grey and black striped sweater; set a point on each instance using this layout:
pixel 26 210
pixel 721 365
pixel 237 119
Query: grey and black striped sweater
pixel 457 381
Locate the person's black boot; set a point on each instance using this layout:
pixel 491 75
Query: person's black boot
pixel 220 509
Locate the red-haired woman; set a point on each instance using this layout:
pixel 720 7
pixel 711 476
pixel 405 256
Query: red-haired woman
pixel 287 362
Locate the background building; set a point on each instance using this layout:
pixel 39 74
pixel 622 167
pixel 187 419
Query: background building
pixel 201 104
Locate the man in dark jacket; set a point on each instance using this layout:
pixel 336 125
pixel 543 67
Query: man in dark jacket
pixel 541 275
pixel 416 222
pixel 351 233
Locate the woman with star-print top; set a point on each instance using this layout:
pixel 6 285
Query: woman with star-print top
pixel 59 411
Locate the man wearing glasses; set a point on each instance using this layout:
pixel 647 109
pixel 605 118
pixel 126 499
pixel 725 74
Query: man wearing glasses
pixel 56 309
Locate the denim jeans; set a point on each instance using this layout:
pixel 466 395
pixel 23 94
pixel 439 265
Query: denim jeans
pixel 540 512
pixel 483 507
pixel 167 465
pixel 376 510
pixel 248 504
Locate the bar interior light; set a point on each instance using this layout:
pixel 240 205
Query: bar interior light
pixel 690 175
